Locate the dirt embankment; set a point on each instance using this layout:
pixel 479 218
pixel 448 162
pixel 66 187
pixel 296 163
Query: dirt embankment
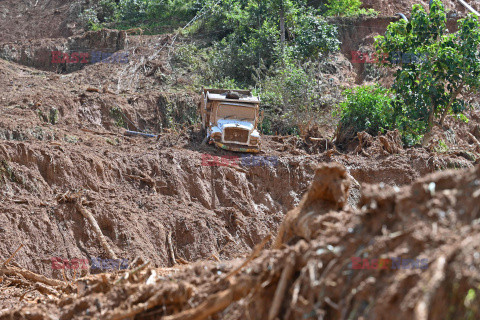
pixel 32 19
pixel 408 252
pixel 49 54
pixel 391 7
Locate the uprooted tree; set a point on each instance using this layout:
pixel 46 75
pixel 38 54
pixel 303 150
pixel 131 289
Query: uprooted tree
pixel 428 90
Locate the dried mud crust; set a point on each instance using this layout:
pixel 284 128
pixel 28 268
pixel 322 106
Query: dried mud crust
pixel 435 218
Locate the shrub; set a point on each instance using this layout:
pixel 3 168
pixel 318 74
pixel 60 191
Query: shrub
pixel 107 10
pixel 367 108
pixel 286 92
pixel 375 109
pixel 292 94
pixel 89 20
pixel 132 11
pixel 347 8
pixel 314 37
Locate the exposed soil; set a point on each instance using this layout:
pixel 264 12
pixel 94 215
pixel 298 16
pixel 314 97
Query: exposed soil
pixel 63 152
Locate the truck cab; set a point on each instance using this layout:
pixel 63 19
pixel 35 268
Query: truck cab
pixel 230 118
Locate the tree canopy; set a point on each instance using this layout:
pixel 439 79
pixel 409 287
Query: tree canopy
pixel 428 90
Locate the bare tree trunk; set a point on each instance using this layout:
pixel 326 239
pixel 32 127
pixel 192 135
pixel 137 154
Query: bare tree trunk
pixel 431 116
pixel 282 31
pixel 103 241
pixel 428 134
pixel 282 27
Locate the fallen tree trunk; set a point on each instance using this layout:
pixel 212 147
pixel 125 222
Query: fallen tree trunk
pixel 103 241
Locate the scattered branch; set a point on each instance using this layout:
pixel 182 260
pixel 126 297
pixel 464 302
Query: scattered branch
pixel 11 257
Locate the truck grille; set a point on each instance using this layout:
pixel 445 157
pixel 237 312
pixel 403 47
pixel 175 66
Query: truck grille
pixel 236 135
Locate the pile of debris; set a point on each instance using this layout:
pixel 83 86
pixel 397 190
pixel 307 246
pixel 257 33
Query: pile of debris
pixel 405 253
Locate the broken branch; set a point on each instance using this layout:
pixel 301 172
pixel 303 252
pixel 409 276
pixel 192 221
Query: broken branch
pixel 11 257
pixel 103 241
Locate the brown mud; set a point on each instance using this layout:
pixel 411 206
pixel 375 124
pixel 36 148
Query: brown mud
pixel 156 202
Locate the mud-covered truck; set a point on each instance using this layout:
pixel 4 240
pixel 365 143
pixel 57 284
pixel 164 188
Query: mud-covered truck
pixel 230 119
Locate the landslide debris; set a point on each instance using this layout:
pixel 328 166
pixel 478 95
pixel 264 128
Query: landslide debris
pixel 435 218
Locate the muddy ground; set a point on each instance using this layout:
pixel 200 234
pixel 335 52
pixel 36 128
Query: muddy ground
pixel 187 225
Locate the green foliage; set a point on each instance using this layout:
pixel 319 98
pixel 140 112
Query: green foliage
pixel 252 36
pixel 125 14
pixel 53 115
pixel 106 11
pixel 347 8
pixel 375 109
pixel 313 37
pixel 287 87
pixel 441 147
pixel 89 18
pixel 432 89
pixel 247 33
pixel 132 11
pixel 287 92
pixel 243 49
pixel 367 108
pixel 472 308
pixel 116 114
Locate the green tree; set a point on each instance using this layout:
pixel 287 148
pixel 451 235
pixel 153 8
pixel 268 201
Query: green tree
pixel 432 88
pixel 253 35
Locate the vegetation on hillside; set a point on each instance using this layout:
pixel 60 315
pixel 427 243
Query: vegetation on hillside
pixel 424 91
pixel 347 8
pixel 275 47
pixel 279 47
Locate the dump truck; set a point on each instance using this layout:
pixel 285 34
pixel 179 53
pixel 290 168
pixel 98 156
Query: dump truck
pixel 230 119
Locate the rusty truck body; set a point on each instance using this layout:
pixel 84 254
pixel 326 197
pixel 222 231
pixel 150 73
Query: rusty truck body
pixel 230 119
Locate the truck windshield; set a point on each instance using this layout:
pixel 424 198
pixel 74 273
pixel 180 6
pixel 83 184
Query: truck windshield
pixel 236 112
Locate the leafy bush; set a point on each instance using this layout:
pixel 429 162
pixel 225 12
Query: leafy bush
pixel 375 109
pixel 367 108
pixel 286 92
pixel 107 10
pixel 287 87
pixel 145 13
pixel 293 95
pixel 347 8
pixel 244 49
pixel 132 11
pixel 89 19
pixel 313 37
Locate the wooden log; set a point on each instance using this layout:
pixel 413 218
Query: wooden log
pixel 13 271
pixel 103 241
pixel 253 255
pixel 11 257
pixel 170 248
